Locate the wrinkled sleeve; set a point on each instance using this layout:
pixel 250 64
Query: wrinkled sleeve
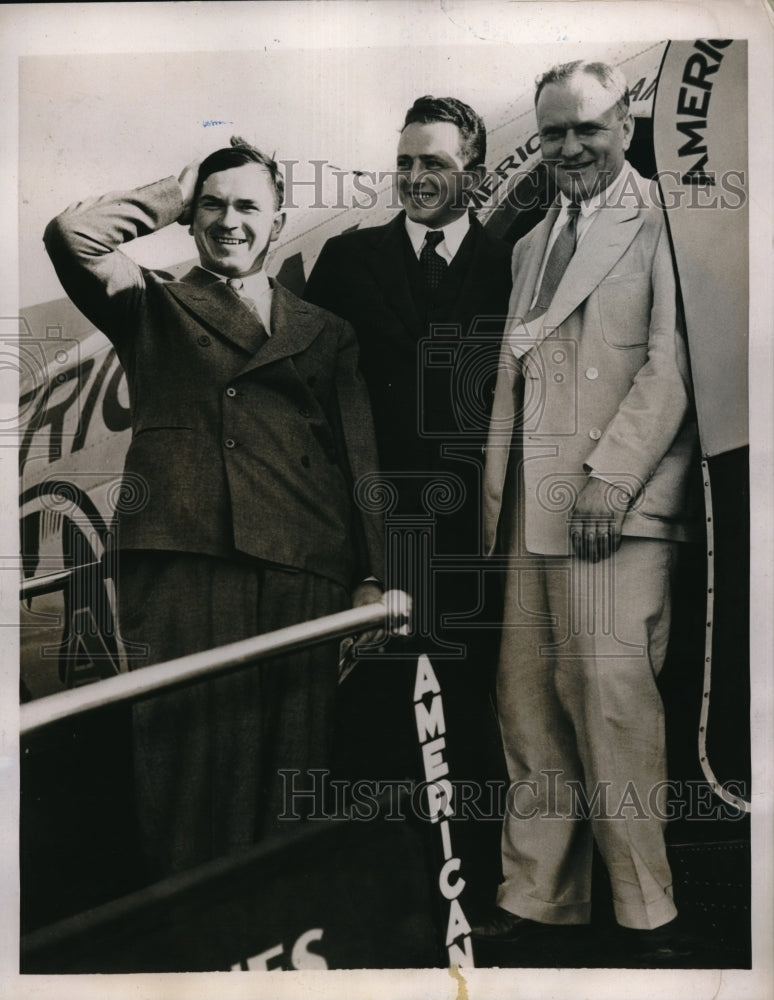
pixel 84 243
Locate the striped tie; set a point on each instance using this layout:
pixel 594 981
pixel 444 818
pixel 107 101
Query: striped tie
pixel 558 259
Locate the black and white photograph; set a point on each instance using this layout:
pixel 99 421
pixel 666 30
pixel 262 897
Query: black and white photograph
pixel 387 594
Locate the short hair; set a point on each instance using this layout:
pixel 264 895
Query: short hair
pixel 239 153
pixel 429 109
pixel 611 78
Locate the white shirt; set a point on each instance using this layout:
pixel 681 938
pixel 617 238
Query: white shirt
pixel 256 287
pixel 453 235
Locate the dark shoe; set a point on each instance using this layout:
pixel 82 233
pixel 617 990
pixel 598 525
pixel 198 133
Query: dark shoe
pixel 503 925
pixel 671 942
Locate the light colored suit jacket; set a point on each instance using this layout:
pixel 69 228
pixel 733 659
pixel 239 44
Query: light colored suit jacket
pixel 235 449
pixel 606 389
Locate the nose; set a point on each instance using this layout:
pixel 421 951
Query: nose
pixel 230 217
pixel 416 173
pixel 571 145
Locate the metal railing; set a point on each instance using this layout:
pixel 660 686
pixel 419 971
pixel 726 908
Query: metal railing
pixel 51 582
pixel 391 612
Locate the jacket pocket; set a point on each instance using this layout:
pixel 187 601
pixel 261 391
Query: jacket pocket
pixel 624 309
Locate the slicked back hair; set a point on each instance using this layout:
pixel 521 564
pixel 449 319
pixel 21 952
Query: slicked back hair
pixel 238 154
pixel 429 109
pixel 610 77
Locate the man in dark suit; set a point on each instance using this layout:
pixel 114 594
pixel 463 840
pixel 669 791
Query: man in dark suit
pixel 250 424
pixel 430 278
pixel 427 295
pixel 590 466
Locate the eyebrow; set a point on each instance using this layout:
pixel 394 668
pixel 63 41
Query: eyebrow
pixel 576 126
pixel 422 157
pixel 599 122
pixel 215 200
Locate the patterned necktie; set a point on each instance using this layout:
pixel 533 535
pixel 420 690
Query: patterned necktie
pixel 433 266
pixel 558 259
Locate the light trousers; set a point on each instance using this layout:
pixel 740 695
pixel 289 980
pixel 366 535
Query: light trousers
pixel 583 729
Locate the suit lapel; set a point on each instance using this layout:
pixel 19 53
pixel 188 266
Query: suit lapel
pixel 388 265
pixel 610 235
pixel 211 300
pixel 294 325
pixel 479 263
pixel 531 257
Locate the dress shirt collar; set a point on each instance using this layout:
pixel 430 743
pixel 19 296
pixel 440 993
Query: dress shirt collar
pixel 257 287
pixel 453 235
pixel 607 196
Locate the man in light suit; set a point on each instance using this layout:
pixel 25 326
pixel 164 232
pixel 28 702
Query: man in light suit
pixel 250 425
pixel 427 295
pixel 590 459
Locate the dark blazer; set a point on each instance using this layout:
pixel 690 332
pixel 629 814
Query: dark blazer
pixel 234 449
pixel 431 391
pixel 430 388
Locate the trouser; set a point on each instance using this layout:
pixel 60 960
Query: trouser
pixel 583 728
pixel 207 755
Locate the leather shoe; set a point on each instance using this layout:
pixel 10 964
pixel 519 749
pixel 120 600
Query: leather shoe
pixel 671 942
pixel 502 925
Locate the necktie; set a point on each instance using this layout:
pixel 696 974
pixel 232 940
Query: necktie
pixel 238 286
pixel 558 259
pixel 433 266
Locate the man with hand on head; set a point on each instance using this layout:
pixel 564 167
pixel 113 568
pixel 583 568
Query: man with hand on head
pixel 592 450
pixel 250 426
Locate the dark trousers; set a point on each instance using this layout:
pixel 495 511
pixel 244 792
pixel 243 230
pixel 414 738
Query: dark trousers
pixel 207 755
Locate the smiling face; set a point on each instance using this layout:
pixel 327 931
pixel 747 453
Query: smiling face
pixel 235 220
pixel 583 136
pixel 432 176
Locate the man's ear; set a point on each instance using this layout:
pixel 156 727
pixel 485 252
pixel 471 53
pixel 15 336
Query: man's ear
pixel 628 130
pixel 480 171
pixel 277 226
pixel 474 178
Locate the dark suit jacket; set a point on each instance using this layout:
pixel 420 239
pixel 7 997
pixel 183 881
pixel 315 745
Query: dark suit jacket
pixel 431 393
pixel 430 389
pixel 233 449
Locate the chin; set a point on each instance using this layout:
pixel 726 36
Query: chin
pixel 425 216
pixel 422 217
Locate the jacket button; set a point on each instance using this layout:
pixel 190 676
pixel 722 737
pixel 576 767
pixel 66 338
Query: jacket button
pixel 305 461
pixel 204 340
pixel 231 391
pixel 592 373
pixel 595 434
pixel 230 443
